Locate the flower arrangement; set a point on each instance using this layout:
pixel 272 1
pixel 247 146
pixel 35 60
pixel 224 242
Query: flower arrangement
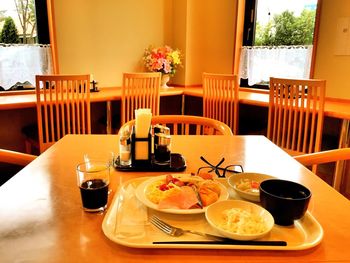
pixel 162 59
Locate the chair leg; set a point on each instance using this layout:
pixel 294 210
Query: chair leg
pixel 31 146
pixel 28 146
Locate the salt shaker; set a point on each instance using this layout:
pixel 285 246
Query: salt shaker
pixel 125 148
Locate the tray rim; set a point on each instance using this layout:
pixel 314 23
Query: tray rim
pixel 110 234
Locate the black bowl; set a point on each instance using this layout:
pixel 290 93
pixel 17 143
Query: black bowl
pixel 285 200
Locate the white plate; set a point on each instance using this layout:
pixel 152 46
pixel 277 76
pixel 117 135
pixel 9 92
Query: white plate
pixel 215 218
pixel 141 195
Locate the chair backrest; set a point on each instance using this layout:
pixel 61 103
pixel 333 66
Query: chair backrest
pixel 140 90
pixel 188 125
pixel 220 99
pixel 296 112
pixel 329 156
pixel 63 107
pixel 324 156
pixel 13 157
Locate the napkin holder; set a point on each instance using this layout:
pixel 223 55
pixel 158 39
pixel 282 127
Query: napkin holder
pixel 141 149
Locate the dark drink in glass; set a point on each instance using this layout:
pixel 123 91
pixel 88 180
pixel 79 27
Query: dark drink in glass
pixel 94 194
pixel 93 181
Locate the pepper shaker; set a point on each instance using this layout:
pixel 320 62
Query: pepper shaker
pixel 162 150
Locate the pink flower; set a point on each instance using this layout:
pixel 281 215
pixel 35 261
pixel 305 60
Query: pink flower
pixel 162 59
pixel 167 66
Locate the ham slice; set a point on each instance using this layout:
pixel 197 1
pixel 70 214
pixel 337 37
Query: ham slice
pixel 184 199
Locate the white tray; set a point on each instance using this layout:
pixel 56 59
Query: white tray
pixel 126 223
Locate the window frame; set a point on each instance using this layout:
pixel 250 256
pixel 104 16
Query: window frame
pixel 42 22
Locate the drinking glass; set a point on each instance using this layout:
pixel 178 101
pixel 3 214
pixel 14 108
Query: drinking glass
pixel 93 181
pixel 108 157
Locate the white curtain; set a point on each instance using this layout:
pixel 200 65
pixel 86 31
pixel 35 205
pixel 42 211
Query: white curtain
pixel 20 63
pixel 259 63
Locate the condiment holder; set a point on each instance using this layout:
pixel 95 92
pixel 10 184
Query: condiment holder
pixel 149 147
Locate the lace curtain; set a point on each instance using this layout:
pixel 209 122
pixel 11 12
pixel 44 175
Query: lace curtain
pixel 259 63
pixel 20 63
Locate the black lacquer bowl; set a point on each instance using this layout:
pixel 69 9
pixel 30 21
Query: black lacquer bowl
pixel 285 200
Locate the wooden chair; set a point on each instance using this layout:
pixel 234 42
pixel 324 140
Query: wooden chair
pixel 140 90
pixel 326 157
pixel 17 158
pixel 186 124
pixel 220 99
pixel 296 111
pixel 12 162
pixel 63 107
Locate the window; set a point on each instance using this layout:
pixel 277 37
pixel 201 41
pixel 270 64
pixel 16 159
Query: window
pixel 278 40
pixel 24 43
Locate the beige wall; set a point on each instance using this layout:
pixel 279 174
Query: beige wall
pixel 334 68
pixel 108 37
pixel 210 38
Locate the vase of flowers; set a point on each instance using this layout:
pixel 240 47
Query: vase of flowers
pixel 164 60
pixel 164 81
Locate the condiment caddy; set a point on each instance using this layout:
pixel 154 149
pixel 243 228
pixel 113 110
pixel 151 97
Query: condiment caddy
pixel 147 147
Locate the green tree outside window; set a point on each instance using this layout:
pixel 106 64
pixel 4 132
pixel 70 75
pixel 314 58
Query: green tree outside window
pixel 286 29
pixel 9 33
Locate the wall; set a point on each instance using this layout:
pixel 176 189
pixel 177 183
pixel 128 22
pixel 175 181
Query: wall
pixel 210 38
pixel 108 37
pixel 179 33
pixel 334 68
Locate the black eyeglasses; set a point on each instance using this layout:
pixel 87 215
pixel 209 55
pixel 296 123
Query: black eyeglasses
pixel 219 171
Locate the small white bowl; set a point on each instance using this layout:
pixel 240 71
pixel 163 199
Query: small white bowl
pixel 235 179
pixel 215 217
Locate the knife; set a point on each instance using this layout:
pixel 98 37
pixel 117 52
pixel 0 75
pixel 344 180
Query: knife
pixel 227 242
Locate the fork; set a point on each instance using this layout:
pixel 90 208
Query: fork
pixel 176 231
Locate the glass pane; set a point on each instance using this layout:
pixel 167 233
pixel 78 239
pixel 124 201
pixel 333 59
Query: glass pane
pixel 23 21
pixel 285 22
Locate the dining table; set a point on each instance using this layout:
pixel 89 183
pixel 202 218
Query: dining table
pixel 42 219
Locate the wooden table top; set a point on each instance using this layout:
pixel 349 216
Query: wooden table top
pixel 42 219
pixel 333 108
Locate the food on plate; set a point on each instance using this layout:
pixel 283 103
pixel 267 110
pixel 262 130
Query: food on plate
pixel 248 185
pixel 185 198
pixel 206 176
pixel 208 196
pixel 241 221
pixel 211 185
pixel 186 192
